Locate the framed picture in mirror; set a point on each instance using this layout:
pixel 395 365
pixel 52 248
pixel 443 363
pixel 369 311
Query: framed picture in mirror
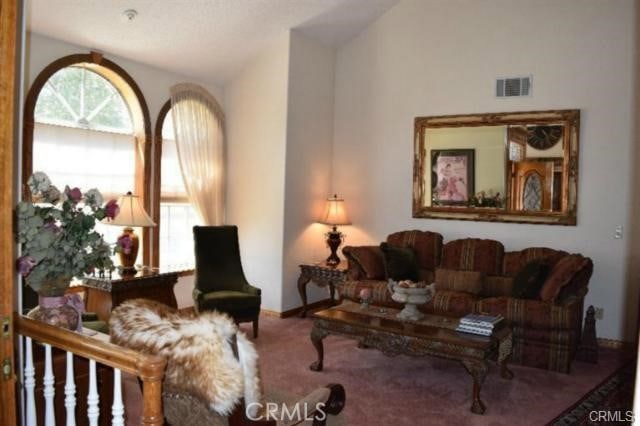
pixel 452 181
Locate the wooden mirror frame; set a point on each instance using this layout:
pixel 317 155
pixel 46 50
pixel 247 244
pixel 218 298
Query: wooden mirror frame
pixel 570 119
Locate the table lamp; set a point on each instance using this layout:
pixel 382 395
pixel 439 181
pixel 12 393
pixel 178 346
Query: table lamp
pixel 335 214
pixel 131 214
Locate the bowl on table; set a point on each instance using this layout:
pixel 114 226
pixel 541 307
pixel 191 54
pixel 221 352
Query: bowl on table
pixel 411 294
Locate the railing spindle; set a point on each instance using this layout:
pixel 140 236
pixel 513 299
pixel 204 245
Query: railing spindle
pixel 117 409
pixel 30 384
pixel 49 390
pixel 70 392
pixel 93 412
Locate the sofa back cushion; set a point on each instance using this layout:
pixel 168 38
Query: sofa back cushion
pixel 514 261
pixel 426 245
pixel 456 280
pixel 370 261
pixel 561 275
pixel 473 254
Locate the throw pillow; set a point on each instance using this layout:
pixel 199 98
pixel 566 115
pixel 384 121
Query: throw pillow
pixel 400 263
pixel 457 280
pixel 528 282
pixel 561 275
pixel 371 261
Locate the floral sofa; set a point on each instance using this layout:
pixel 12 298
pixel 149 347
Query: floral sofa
pixel 546 328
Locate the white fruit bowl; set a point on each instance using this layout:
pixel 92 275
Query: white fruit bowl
pixel 412 296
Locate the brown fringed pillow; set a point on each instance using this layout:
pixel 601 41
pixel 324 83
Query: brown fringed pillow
pixel 370 260
pixel 560 275
pixel 456 280
pixel 199 352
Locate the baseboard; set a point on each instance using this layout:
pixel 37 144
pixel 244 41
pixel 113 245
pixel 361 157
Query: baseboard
pixel 295 311
pixel 615 344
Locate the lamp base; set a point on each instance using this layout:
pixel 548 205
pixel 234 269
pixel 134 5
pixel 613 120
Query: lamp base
pixel 128 250
pixel 334 239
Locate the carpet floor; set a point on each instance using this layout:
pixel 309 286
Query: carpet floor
pixel 419 391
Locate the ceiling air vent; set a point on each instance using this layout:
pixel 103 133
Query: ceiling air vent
pixel 513 86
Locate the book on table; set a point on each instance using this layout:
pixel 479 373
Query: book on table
pixel 480 324
pixel 480 320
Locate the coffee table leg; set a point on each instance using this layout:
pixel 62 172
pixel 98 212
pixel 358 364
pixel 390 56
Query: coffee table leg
pixel 478 371
pixel 316 338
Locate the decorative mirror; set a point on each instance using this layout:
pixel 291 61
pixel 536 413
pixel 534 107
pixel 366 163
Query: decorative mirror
pixel 507 167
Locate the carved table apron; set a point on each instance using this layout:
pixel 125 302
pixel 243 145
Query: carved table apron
pixel 473 357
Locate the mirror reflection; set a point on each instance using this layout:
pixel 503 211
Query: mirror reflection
pixel 511 166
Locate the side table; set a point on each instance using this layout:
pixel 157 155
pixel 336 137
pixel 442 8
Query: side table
pixel 323 275
pixel 104 294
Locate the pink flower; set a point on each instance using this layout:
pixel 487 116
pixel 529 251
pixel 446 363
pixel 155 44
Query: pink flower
pixel 365 294
pixel 74 194
pixel 25 265
pixel 125 243
pixel 52 227
pixel 112 209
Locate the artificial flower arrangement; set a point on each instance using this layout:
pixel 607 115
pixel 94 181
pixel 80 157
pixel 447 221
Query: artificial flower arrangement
pixel 58 237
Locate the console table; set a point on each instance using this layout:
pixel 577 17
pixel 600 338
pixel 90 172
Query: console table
pixel 102 294
pixel 323 275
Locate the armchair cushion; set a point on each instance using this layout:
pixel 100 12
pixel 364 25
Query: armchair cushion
pixel 454 280
pixel 400 263
pixel 229 301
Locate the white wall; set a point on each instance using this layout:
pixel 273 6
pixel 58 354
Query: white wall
pixel 256 110
pixel 436 57
pixel 154 83
pixel 308 162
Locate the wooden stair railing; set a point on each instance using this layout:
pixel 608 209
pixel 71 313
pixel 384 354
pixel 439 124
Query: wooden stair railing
pixel 148 368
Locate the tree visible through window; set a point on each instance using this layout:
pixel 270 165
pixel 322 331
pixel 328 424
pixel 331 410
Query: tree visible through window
pixel 78 97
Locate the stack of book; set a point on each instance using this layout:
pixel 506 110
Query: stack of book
pixel 480 324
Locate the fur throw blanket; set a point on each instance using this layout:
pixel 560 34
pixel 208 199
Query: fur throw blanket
pixel 199 352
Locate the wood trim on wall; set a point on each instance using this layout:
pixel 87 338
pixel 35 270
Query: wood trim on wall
pixel 157 181
pixel 142 122
pixel 8 41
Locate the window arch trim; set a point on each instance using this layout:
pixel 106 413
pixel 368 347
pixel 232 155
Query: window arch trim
pixel 132 94
pixel 157 181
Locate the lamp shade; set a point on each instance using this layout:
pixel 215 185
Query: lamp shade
pixel 131 212
pixel 335 212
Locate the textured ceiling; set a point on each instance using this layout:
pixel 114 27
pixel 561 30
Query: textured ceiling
pixel 205 39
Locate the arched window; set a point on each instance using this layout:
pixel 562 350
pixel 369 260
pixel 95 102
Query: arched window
pixel 532 194
pixel 87 125
pixel 177 217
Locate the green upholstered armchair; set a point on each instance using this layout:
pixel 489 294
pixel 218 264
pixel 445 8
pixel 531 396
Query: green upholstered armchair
pixel 220 283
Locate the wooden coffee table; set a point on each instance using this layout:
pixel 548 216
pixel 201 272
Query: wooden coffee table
pixel 434 335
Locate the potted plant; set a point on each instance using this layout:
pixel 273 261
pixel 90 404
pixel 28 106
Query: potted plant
pixel 57 233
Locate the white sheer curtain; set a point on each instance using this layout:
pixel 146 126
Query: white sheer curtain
pixel 198 123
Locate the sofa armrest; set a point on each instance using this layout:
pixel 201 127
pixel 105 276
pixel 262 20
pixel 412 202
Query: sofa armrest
pixel 578 286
